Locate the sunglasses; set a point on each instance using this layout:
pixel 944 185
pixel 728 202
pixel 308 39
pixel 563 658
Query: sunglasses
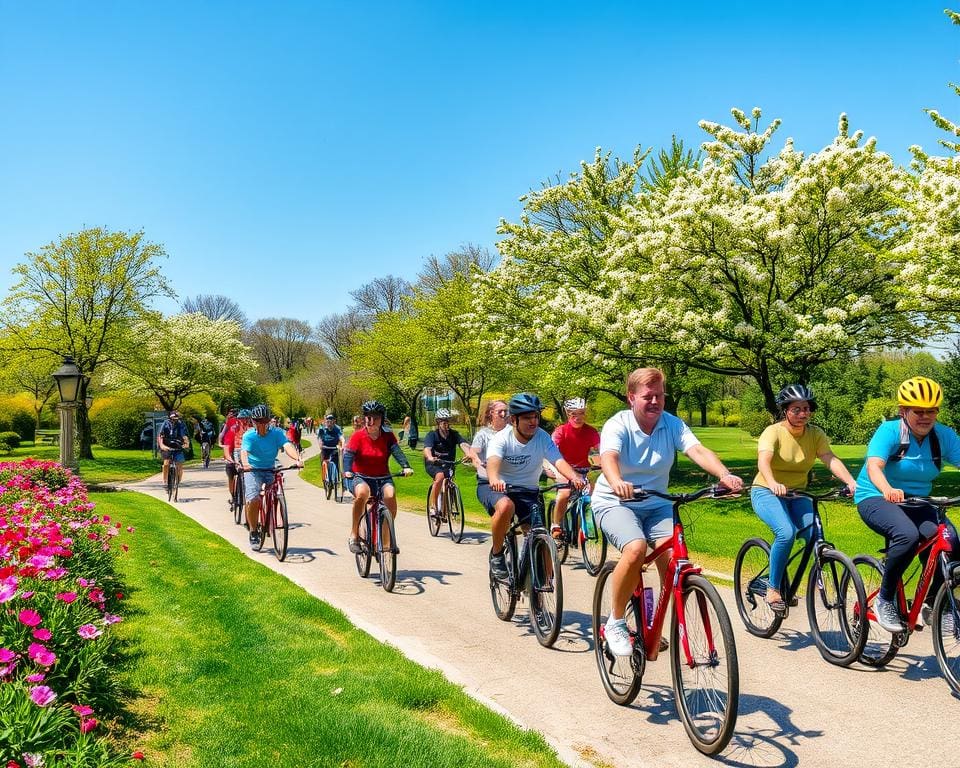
pixel 799 409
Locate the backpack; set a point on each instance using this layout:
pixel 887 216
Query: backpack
pixel 905 444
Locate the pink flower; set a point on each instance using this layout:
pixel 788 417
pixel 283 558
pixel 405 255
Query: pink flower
pixel 89 631
pixel 85 583
pixel 130 529
pixel 6 655
pixel 26 595
pixel 53 574
pixel 96 596
pixel 42 655
pixel 8 588
pixel 42 634
pixel 36 677
pixel 88 725
pixel 67 597
pixel 111 618
pixel 82 709
pixel 29 617
pixel 42 695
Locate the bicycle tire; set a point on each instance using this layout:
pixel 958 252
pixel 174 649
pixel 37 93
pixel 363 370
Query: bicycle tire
pixel 621 675
pixel 328 481
pixel 455 513
pixel 433 518
pixel 337 484
pixel 593 548
pixel 946 640
pixel 879 647
pixel 834 592
pixel 262 525
pixel 171 476
pixel 280 527
pixel 545 589
pixel 711 727
pixel 237 502
pixel 176 482
pixel 205 453
pixel 502 591
pixel 365 555
pixel 751 573
pixel 387 555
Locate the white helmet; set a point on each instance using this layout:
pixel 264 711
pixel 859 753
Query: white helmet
pixel 574 404
pixel 442 413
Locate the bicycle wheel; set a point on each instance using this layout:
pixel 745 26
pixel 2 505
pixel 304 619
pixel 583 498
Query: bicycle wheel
pixel 365 554
pixel 946 634
pixel 171 479
pixel 337 483
pixel 433 516
pixel 708 686
pixel 879 647
pixel 280 527
pixel 205 453
pixel 502 593
pixel 621 675
pixel 262 524
pixel 455 513
pixel 751 573
pixel 328 481
pixel 545 589
pixel 593 544
pixel 834 592
pixel 237 501
pixel 387 550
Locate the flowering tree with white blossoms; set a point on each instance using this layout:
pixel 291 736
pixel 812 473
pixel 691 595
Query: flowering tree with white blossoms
pixel 753 264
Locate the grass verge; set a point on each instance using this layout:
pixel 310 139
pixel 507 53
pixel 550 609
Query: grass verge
pixel 237 666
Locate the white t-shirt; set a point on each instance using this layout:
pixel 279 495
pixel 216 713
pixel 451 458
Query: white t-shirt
pixel 522 462
pixel 645 460
pixel 480 442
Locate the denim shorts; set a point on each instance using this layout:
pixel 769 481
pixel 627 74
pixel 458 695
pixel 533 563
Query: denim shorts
pixel 253 479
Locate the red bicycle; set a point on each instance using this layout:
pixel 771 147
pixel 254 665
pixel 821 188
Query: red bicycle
pixel 703 653
pixel 273 518
pixel 881 646
pixel 378 533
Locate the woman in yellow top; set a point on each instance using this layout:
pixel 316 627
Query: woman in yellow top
pixel 785 453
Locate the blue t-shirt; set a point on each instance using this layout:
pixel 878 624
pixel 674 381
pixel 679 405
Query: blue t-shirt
pixel 330 438
pixel 262 451
pixel 915 472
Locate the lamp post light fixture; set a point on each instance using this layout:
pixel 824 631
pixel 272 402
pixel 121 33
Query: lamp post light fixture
pixel 68 378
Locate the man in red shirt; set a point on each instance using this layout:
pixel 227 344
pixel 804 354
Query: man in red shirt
pixel 367 456
pixel 234 428
pixel 576 440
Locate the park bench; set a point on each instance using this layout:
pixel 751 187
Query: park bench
pixel 50 436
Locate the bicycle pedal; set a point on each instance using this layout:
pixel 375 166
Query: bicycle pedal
pixel 794 602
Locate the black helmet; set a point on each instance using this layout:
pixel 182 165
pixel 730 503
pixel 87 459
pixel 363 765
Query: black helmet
pixel 524 402
pixel 260 412
pixel 793 393
pixel 373 406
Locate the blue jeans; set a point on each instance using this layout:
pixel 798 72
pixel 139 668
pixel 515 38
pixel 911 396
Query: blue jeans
pixel 785 517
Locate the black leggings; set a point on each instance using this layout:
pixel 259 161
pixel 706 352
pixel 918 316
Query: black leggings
pixel 903 527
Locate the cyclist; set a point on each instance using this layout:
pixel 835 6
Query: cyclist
pixel 637 449
pixel 441 444
pixel 204 432
pixel 515 456
pixel 904 456
pixel 494 420
pixel 258 455
pixel 785 453
pixel 576 440
pixel 236 425
pixel 331 440
pixel 172 440
pixel 294 432
pixel 367 453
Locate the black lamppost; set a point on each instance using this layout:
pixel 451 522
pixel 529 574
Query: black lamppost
pixel 68 378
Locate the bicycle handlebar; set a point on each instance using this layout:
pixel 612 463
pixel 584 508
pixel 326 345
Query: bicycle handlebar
pixel 374 477
pixel 715 491
pixel 938 501
pixel 842 492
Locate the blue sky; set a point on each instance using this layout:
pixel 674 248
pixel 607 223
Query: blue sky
pixel 286 153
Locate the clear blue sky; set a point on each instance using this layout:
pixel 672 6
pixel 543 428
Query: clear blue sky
pixel 311 147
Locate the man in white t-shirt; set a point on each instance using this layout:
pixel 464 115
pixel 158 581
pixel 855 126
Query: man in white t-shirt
pixel 637 449
pixel 515 457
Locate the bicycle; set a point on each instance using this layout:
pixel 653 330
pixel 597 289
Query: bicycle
pixel 173 475
pixel 273 518
pixel 205 453
pixel 536 571
pixel 332 480
pixel 579 529
pixel 237 499
pixel 377 533
pixel 705 672
pixel 449 508
pixel 828 609
pixel 881 646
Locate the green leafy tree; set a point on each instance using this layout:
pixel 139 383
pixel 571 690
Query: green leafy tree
pixel 81 296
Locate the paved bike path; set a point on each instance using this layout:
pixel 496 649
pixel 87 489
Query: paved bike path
pixel 795 709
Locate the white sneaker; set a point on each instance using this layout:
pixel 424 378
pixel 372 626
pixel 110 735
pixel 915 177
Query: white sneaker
pixel 618 637
pixel 888 615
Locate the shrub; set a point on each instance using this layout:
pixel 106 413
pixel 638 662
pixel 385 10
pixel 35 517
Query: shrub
pixel 17 418
pixel 10 438
pixel 119 426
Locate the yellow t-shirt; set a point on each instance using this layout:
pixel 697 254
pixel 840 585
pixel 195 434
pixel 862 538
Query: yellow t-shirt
pixel 792 456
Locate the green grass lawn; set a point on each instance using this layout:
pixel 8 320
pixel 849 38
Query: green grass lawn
pixel 715 529
pixel 234 666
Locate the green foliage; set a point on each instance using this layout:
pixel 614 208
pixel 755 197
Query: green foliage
pixel 118 426
pixel 15 417
pixel 12 439
pixel 754 417
pixel 5 448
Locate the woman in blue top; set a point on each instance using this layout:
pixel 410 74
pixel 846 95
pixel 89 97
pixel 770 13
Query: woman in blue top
pixel 900 463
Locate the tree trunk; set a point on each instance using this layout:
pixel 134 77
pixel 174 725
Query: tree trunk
pixel 84 432
pixel 703 413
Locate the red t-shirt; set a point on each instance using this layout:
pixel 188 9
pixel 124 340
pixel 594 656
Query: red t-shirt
pixel 371 457
pixel 575 444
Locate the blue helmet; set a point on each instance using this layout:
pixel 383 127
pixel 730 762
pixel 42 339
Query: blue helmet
pixel 524 402
pixel 244 413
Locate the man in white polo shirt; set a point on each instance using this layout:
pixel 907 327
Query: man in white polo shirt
pixel 637 448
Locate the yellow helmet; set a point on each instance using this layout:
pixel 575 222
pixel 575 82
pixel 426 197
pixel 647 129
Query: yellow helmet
pixel 920 392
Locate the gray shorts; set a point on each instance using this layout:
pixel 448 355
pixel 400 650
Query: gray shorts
pixel 623 523
pixel 253 480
